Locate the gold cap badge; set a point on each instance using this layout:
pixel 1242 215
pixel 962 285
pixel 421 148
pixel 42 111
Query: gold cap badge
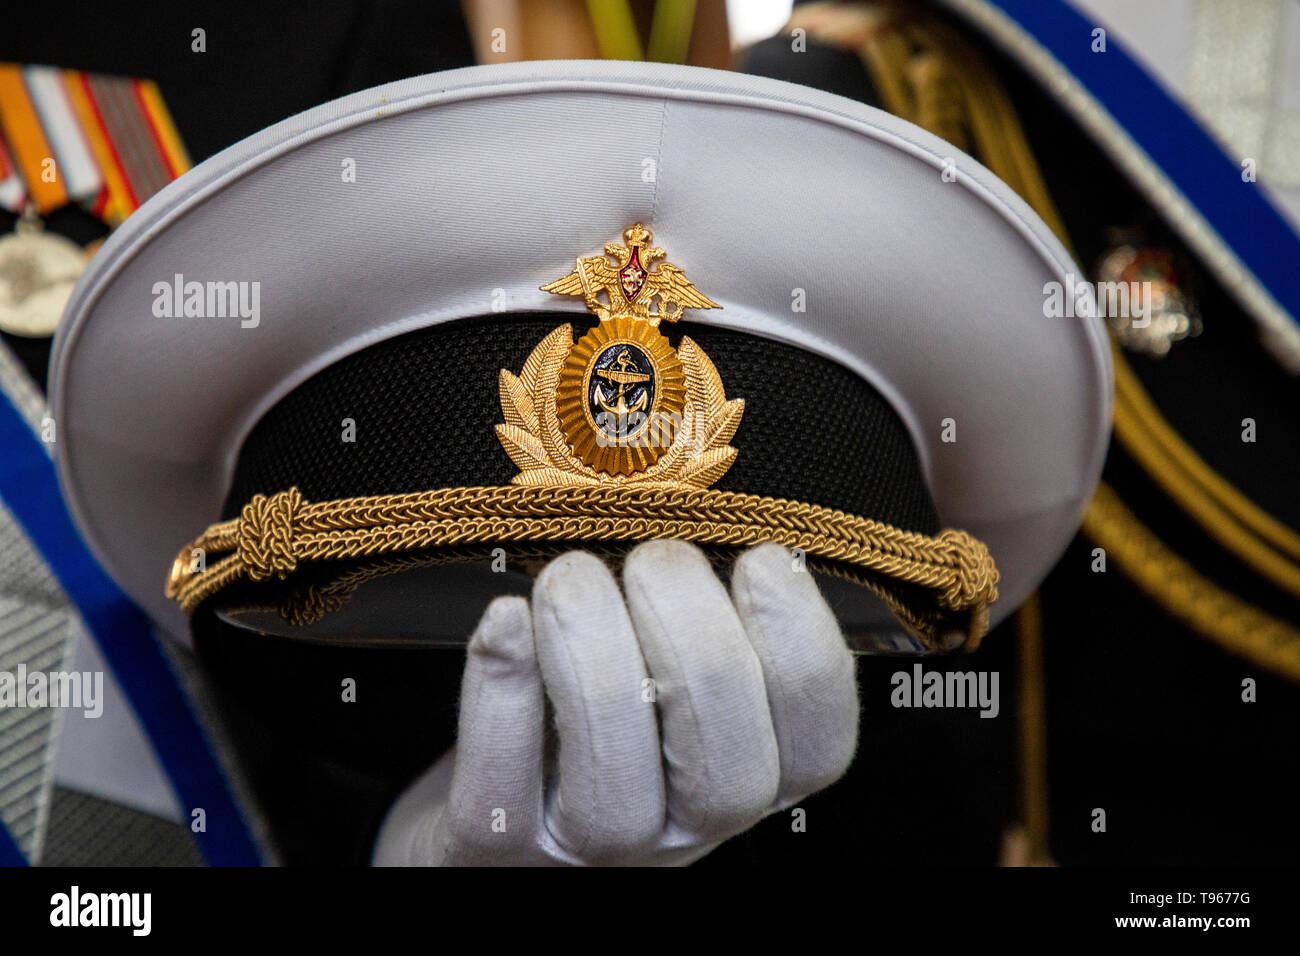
pixel 621 404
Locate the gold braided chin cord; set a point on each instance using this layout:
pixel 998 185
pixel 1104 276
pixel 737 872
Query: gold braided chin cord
pixel 273 534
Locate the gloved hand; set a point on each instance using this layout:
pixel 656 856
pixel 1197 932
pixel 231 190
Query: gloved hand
pixel 756 693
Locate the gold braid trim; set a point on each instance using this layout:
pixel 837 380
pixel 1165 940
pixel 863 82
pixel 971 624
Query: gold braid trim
pixel 1185 594
pixel 1233 520
pixel 273 534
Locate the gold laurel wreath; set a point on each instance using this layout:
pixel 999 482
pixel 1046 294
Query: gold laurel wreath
pixel 697 457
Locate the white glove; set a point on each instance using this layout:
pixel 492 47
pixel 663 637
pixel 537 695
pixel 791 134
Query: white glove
pixel 755 692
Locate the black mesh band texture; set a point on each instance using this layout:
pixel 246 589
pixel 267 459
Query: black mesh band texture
pixel 424 405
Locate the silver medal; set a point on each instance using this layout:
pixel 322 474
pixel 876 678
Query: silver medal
pixel 37 273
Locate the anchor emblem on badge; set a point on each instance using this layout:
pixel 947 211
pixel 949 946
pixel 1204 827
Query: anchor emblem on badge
pixel 621 404
pixel 620 417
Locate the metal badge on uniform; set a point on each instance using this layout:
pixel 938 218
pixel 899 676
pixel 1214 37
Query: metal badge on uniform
pixel 621 405
pixel 37 272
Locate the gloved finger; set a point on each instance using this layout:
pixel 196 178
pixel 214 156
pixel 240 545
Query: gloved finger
pixel 481 801
pixel 608 796
pixel 719 748
pixel 496 789
pixel 808 671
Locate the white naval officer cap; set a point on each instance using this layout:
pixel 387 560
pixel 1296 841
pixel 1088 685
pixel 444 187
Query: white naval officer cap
pixel 875 297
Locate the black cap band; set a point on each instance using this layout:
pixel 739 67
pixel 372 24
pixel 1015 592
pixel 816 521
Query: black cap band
pixel 421 407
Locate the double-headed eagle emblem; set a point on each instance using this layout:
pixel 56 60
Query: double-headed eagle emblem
pixel 630 284
pixel 620 404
